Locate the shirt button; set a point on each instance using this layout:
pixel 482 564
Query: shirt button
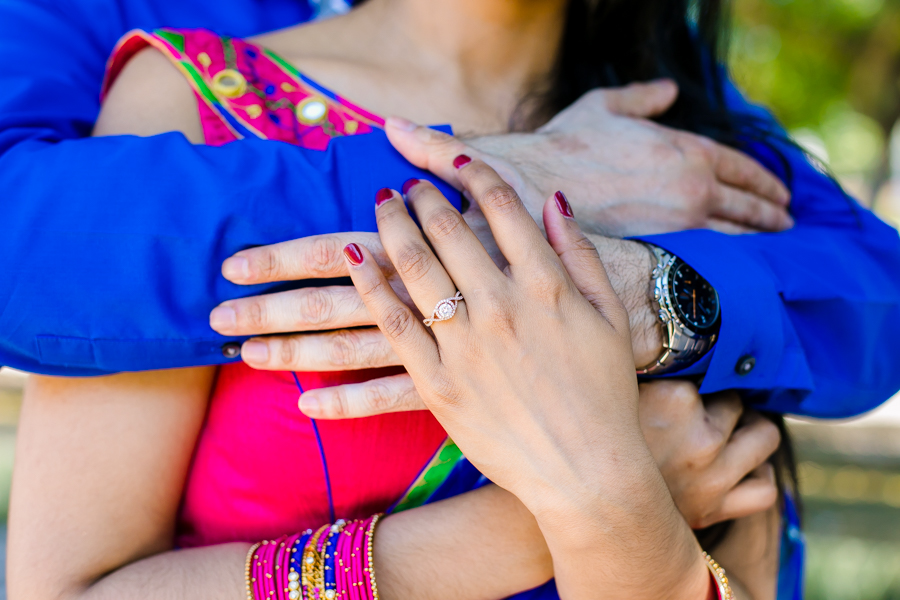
pixel 231 350
pixel 745 365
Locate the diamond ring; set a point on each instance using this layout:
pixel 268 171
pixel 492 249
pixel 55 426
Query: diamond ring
pixel 445 309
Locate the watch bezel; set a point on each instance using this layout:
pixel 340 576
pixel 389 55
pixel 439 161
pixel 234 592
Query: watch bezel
pixel 668 284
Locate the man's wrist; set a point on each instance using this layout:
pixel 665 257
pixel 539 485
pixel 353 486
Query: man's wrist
pixel 629 265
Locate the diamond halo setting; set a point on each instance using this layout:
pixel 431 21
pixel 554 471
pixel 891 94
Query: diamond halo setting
pixel 445 309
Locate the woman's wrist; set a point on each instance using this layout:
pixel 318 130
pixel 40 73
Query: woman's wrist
pixel 631 528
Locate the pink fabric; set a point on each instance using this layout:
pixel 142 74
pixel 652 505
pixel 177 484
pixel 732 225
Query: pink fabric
pixel 257 471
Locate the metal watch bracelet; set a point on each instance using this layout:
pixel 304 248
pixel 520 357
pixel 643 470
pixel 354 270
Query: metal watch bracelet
pixel 681 346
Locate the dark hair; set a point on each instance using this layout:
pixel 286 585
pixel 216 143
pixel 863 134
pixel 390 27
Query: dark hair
pixel 610 43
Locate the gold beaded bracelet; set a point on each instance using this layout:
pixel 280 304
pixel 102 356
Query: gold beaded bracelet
pixel 370 553
pixel 312 575
pixel 248 567
pixel 718 574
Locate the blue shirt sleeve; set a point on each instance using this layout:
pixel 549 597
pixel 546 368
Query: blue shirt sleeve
pixel 816 307
pixel 111 247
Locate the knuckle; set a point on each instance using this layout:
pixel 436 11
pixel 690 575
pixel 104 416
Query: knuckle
pixel 288 351
pixel 340 404
pixel 323 255
pixel 267 263
pixel 444 391
pixel 500 199
pixel 343 350
pixel 498 311
pixel 380 398
pixel 413 262
pixel 548 286
pixel 256 315
pixel 398 322
pixel 446 225
pixel 316 306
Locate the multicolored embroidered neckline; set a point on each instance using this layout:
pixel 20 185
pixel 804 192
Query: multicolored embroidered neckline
pixel 249 90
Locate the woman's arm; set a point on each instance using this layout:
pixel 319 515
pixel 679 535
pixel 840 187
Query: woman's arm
pixel 100 469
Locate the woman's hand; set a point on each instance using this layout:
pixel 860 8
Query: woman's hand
pixel 713 460
pixel 533 378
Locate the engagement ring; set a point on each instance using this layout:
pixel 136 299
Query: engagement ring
pixel 445 309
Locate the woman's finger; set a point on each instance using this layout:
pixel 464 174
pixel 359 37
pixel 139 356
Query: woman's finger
pixel 741 171
pixel 343 350
pixel 307 309
pixel 755 494
pixel 750 446
pixel 355 400
pixel 724 410
pixel 515 231
pixel 313 257
pixel 422 273
pixel 582 261
pixel 748 209
pixel 456 245
pixel 407 335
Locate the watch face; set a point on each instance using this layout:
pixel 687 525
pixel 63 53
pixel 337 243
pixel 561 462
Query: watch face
pixel 696 302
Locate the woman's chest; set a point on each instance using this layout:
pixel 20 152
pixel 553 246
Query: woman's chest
pixel 261 468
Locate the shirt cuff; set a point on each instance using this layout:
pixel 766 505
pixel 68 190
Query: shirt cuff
pixel 757 349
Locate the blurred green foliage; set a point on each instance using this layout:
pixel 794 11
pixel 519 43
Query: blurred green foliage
pixel 830 70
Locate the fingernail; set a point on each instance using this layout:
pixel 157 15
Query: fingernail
pixel 255 352
pixel 308 403
pixel 223 318
pixel 236 268
pixel 353 254
pixel 401 123
pixel 460 161
pixel 383 195
pixel 562 204
pixel 409 185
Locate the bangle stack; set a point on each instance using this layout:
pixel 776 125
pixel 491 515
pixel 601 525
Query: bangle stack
pixel 333 563
pixel 719 579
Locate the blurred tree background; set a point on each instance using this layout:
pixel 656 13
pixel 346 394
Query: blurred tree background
pixel 830 71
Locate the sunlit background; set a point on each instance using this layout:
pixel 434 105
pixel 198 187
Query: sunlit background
pixel 830 69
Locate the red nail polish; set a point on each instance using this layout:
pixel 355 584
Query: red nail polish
pixel 383 195
pixel 353 254
pixel 562 204
pixel 409 185
pixel 460 161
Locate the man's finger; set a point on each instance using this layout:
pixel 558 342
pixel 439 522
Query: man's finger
pixel 729 227
pixel 307 309
pixel 314 257
pixel 741 171
pixel 744 208
pixel 352 401
pixel 345 350
pixel 641 100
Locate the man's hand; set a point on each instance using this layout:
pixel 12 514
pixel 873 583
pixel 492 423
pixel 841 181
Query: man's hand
pixel 623 175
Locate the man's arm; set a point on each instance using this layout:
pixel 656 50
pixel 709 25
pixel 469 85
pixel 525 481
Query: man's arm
pixel 810 316
pixel 111 247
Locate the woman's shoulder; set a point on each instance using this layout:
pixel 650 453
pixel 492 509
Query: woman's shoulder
pixel 149 96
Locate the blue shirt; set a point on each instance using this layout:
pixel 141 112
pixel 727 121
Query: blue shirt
pixel 111 247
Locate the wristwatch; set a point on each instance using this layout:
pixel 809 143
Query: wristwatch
pixel 688 308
